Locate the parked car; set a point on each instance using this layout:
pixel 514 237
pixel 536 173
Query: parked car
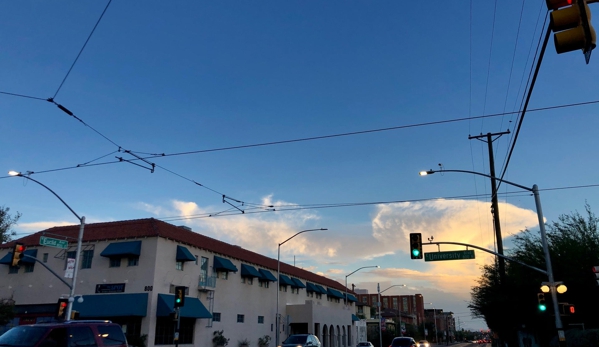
pixel 423 343
pixel 364 344
pixel 403 342
pixel 301 340
pixel 72 333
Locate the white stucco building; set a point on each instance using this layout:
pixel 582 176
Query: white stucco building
pixel 128 271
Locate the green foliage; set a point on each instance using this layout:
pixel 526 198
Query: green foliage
pixel 219 339
pixel 573 243
pixel 243 343
pixel 6 223
pixel 7 311
pixel 137 341
pixel 264 341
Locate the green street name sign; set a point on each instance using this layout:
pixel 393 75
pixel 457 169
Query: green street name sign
pixel 451 255
pixel 50 242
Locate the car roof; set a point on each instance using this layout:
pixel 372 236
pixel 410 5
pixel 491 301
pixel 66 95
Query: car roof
pixel 69 323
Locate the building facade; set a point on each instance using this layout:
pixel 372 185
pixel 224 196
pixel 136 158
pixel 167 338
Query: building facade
pixel 128 271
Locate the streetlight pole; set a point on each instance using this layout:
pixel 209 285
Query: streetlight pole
pixel 378 289
pixel 535 191
pixel 434 319
pixel 279 278
pixel 79 241
pixel 364 267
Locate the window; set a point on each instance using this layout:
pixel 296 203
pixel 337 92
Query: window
pixel 179 265
pixel 204 270
pixel 283 288
pixel 309 294
pixel 29 267
pixel 365 299
pixel 260 319
pixel 318 296
pixel 133 261
pixel 264 284
pixel 250 281
pixel 294 290
pixel 223 275
pixel 165 331
pixel 86 262
pixel 242 279
pixel 83 336
pixel 115 262
pixel 111 335
pixel 361 309
pixel 240 318
pixel 197 259
pixel 45 258
pixel 216 316
pixel 13 269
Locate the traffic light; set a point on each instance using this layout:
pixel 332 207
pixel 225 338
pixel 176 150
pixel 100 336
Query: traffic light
pixel 61 309
pixel 416 246
pixel 541 299
pixel 17 253
pixel 571 23
pixel 179 296
pixel 596 271
pixel 567 309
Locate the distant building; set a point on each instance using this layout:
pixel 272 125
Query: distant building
pixel 128 271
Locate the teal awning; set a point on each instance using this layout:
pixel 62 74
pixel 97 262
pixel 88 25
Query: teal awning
pixel 7 259
pixel 267 275
pixel 223 264
pixel 297 283
pixel 285 281
pixel 112 305
pixel 193 307
pixel 354 318
pixel 334 293
pixel 183 254
pixel 321 289
pixel 122 249
pixel 249 271
pixel 311 287
pixel 351 298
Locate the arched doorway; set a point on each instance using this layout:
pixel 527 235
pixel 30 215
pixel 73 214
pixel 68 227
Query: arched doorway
pixel 332 336
pixel 325 336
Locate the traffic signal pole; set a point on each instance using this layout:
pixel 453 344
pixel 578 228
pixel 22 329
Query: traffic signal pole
pixel 178 310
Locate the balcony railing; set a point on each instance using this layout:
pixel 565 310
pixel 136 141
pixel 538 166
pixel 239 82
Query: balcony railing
pixel 207 283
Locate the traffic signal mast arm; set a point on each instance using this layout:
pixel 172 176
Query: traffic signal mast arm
pixel 46 266
pixel 488 251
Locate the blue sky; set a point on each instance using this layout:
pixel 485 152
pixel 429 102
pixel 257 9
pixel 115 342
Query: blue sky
pixel 185 76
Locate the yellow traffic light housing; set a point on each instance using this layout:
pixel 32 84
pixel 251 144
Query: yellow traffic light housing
pixel 61 309
pixel 571 23
pixel 179 296
pixel 17 253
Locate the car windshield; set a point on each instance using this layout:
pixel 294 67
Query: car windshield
pixel 296 339
pixel 24 336
pixel 402 342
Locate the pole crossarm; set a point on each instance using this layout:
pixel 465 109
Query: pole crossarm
pixel 46 266
pixel 488 251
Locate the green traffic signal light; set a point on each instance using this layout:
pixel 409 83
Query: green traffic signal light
pixel 178 300
pixel 415 252
pixel 542 307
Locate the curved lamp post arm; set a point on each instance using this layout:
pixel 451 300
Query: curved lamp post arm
pixel 346 276
pixel 430 172
pixel 301 232
pixel 18 174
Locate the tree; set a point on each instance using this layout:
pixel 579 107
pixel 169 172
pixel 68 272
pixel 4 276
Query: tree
pixel 573 243
pixel 7 311
pixel 6 223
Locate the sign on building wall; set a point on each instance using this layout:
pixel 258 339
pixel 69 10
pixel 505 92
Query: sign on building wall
pixel 110 288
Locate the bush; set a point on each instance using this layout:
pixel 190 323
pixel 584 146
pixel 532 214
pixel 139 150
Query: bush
pixel 219 339
pixel 263 341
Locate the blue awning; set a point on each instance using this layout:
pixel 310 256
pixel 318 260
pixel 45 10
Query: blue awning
pixel 193 307
pixel 351 298
pixel 7 259
pixel 112 305
pixel 354 318
pixel 311 287
pixel 183 254
pixel 223 264
pixel 285 281
pixel 267 275
pixel 297 283
pixel 321 289
pixel 334 293
pixel 249 271
pixel 122 249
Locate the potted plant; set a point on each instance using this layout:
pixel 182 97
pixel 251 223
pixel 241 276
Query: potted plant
pixel 263 341
pixel 244 343
pixel 219 339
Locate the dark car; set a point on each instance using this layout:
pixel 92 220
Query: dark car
pixel 65 334
pixel 403 342
pixel 301 340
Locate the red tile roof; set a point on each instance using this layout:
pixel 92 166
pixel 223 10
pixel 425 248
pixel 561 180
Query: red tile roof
pixel 150 227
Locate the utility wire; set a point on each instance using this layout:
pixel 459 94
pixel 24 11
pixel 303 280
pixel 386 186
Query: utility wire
pixel 82 48
pixel 23 96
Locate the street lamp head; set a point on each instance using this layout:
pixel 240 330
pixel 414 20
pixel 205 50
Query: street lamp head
pixel 424 173
pixel 14 173
pixel 378 267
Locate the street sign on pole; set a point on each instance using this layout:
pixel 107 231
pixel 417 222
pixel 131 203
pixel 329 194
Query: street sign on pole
pixel 70 270
pixel 50 242
pixel 451 255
